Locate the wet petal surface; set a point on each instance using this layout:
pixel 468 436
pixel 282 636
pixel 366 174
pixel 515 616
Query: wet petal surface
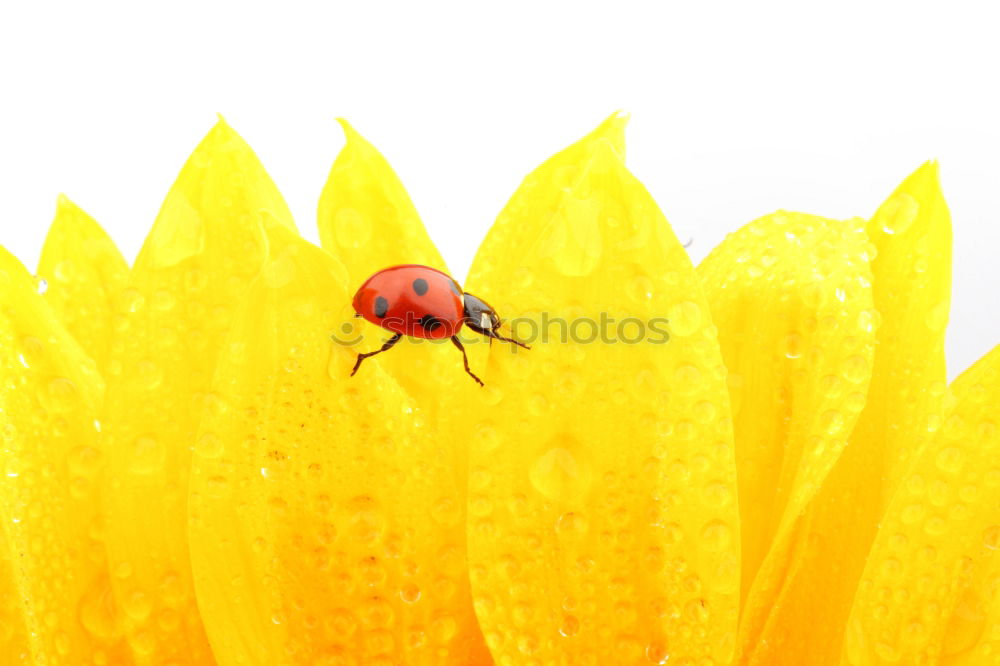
pixel 911 276
pixel 53 568
pixel 327 516
pixel 791 295
pixel 85 274
pixel 368 222
pixel 929 589
pixel 602 501
pixel 205 248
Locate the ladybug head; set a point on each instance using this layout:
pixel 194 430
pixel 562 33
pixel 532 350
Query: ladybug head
pixel 479 316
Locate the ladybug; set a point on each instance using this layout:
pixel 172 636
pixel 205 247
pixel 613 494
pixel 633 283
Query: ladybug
pixel 423 302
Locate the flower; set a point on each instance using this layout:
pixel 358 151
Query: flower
pixel 755 461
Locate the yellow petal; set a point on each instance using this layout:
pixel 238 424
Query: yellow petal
pixel 365 213
pixel 205 248
pixel 912 268
pixel 53 573
pixel 791 296
pixel 540 194
pixel 85 274
pixel 367 221
pixel 13 630
pixel 326 512
pixel 911 280
pixel 603 522
pixel 929 585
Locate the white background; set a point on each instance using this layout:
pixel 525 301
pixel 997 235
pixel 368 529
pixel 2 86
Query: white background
pixel 737 110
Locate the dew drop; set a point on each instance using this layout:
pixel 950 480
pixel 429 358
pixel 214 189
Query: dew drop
pixel 570 626
pixel 716 536
pixel 656 653
pixel 887 652
pixel 832 422
pixel 559 475
pixel 138 605
pixel 855 368
pixel 279 272
pixel 83 460
pixel 164 300
pixel 209 445
pixel 793 345
pixel 573 238
pixel 571 524
pixel 410 593
pixel 446 511
pixel 64 271
pixel 687 377
pixel 991 537
pixel 900 212
pixel 150 374
pixel 950 460
pixel 936 526
pixel 42 285
pixel 59 396
pixel 97 610
pixel 351 228
pixel 132 300
pixel 444 628
pixel 937 316
pixel 684 318
pixel 148 455
pixel 640 289
pixel 704 411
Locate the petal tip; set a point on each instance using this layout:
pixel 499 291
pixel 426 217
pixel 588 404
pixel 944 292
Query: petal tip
pixel 221 132
pixel 66 206
pixel 352 137
pixel 612 129
pixel 346 126
pixel 925 176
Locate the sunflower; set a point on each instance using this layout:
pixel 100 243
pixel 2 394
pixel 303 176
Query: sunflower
pixel 755 461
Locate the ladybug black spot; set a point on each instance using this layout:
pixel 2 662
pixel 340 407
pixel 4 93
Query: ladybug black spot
pixel 381 306
pixel 430 323
pixel 420 286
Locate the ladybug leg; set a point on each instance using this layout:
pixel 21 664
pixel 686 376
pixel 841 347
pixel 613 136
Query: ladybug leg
pixel 458 343
pixel 493 334
pixel 386 347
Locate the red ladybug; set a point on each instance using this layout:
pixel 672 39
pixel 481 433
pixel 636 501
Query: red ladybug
pixel 423 302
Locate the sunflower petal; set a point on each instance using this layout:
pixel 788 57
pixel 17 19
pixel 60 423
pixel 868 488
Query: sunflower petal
pixel 310 490
pixel 911 281
pixel 603 522
pixel 85 274
pixel 53 573
pixel 206 246
pixel 368 222
pixel 540 194
pixel 929 584
pixel 366 215
pixel 791 296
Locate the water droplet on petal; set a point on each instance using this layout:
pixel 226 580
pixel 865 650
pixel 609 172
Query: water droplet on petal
pixel 900 212
pixel 148 455
pixel 559 475
pixel 351 228
pixel 209 445
pixel 716 536
pixel 684 318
